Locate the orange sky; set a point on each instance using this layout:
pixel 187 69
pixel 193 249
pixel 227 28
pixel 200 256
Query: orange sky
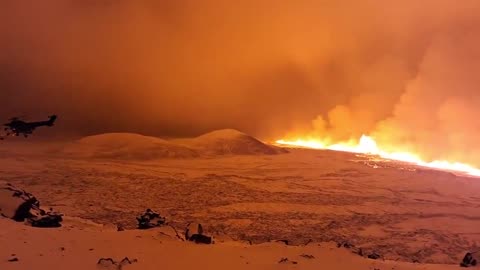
pixel 404 70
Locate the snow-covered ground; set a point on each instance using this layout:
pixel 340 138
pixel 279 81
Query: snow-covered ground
pixel 400 212
pixel 79 246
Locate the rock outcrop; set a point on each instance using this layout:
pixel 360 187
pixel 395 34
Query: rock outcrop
pixel 150 219
pixel 194 233
pixel 469 260
pixel 21 206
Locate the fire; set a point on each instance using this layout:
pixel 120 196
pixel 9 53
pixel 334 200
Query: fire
pixel 368 145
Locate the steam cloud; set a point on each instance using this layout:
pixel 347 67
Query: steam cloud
pixel 402 71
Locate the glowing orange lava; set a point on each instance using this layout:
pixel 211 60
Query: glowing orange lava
pixel 367 145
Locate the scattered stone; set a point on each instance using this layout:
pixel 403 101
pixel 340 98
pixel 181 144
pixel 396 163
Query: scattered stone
pixel 286 260
pixel 150 220
pixel 106 261
pixel 374 256
pixel 307 256
pixel 22 206
pixel 283 241
pixel 112 264
pixel 194 233
pixel 345 244
pixel 201 239
pixel 127 261
pixel 43 219
pixel 469 260
pixel 357 250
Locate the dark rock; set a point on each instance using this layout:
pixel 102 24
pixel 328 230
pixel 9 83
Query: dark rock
pixel 194 232
pixel 307 256
pixel 201 239
pixel 105 260
pixel 16 203
pixel 345 244
pixel 374 256
pixel 286 260
pixel 126 260
pixel 20 206
pixel 14 259
pixel 283 241
pixel 150 220
pixel 109 262
pixel 46 220
pixel 469 260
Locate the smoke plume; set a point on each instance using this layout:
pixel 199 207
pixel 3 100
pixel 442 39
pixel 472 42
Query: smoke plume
pixel 404 71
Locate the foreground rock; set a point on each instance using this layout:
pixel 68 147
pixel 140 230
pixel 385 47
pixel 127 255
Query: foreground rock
pixel 91 248
pixel 22 206
pixel 470 260
pixel 109 263
pixel 194 233
pixel 358 251
pixel 150 219
pixel 286 261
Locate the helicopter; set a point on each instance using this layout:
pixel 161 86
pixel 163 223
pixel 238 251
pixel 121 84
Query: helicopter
pixel 17 127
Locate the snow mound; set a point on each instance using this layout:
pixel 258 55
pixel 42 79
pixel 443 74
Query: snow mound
pixel 230 142
pixel 127 146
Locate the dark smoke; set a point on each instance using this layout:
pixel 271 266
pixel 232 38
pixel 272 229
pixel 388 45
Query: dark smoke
pixel 403 71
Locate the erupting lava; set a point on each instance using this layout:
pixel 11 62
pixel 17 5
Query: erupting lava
pixel 367 145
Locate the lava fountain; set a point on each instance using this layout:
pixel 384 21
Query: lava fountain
pixel 367 145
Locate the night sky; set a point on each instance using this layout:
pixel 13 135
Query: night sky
pixel 403 71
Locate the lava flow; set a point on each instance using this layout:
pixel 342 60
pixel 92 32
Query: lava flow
pixel 367 145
